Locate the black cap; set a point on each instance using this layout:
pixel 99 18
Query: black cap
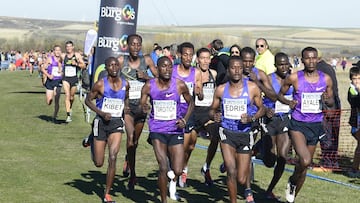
pixel 357 64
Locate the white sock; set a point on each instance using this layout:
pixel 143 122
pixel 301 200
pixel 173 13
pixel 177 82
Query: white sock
pixel 185 170
pixel 205 167
pixel 172 189
pixel 171 175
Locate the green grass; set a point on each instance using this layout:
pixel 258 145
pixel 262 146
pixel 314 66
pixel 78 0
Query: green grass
pixel 44 162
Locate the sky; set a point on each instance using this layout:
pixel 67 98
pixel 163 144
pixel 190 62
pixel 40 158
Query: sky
pixel 308 13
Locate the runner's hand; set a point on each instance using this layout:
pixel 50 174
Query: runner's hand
pixel 217 117
pixel 270 112
pixel 181 123
pixel 106 116
pixel 292 104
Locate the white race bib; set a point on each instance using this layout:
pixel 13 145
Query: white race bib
pixel 55 71
pixel 234 108
pixel 113 106
pixel 190 86
pixel 164 110
pixel 208 91
pixel 310 102
pixel 70 71
pixel 283 108
pixel 135 89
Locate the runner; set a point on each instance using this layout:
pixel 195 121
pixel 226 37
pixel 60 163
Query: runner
pixel 111 94
pixel 237 98
pixel 52 70
pixel 73 62
pixel 311 89
pixel 186 72
pixel 166 123
pixel 134 69
pixel 204 93
pixel 277 120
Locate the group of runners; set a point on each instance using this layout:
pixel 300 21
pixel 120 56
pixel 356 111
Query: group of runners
pixel 182 101
pixel 61 70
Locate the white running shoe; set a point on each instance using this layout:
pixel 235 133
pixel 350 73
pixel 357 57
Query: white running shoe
pixel 290 192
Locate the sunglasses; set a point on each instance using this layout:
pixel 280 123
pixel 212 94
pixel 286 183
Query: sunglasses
pixel 260 45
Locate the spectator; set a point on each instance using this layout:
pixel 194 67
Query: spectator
pixel 334 63
pixel 235 50
pixel 265 59
pixel 219 61
pixel 156 53
pixel 167 52
pixel 354 100
pixel 329 145
pixel 296 61
pixel 343 63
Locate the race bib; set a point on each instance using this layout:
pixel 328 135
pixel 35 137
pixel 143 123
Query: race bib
pixel 190 86
pixel 113 106
pixel 310 102
pixel 283 108
pixel 208 91
pixel 164 110
pixel 135 89
pixel 234 108
pixel 70 71
pixel 55 71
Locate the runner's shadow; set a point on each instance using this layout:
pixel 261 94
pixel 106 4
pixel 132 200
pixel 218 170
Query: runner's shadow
pixel 146 189
pixel 93 182
pixel 214 193
pixel 218 192
pixel 50 119
pixel 29 92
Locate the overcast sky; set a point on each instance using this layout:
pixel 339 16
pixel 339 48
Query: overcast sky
pixel 313 13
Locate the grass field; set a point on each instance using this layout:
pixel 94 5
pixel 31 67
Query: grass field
pixel 45 162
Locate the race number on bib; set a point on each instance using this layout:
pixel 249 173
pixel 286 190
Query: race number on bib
pixel 208 91
pixel 190 86
pixel 113 106
pixel 234 108
pixel 135 89
pixel 310 102
pixel 283 108
pixel 55 71
pixel 70 71
pixel 164 110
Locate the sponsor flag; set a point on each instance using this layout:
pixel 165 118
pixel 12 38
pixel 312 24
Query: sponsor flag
pixel 117 20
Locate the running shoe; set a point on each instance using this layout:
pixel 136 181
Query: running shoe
pixel 68 119
pixel 182 180
pixel 87 141
pixel 222 168
pixel 131 183
pixel 176 197
pixel 126 168
pixel 290 192
pixel 207 176
pixel 249 197
pixel 107 199
pixel 353 174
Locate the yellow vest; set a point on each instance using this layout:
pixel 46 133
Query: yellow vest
pixel 265 62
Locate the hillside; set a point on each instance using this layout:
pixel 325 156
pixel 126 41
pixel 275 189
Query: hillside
pixel 333 41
